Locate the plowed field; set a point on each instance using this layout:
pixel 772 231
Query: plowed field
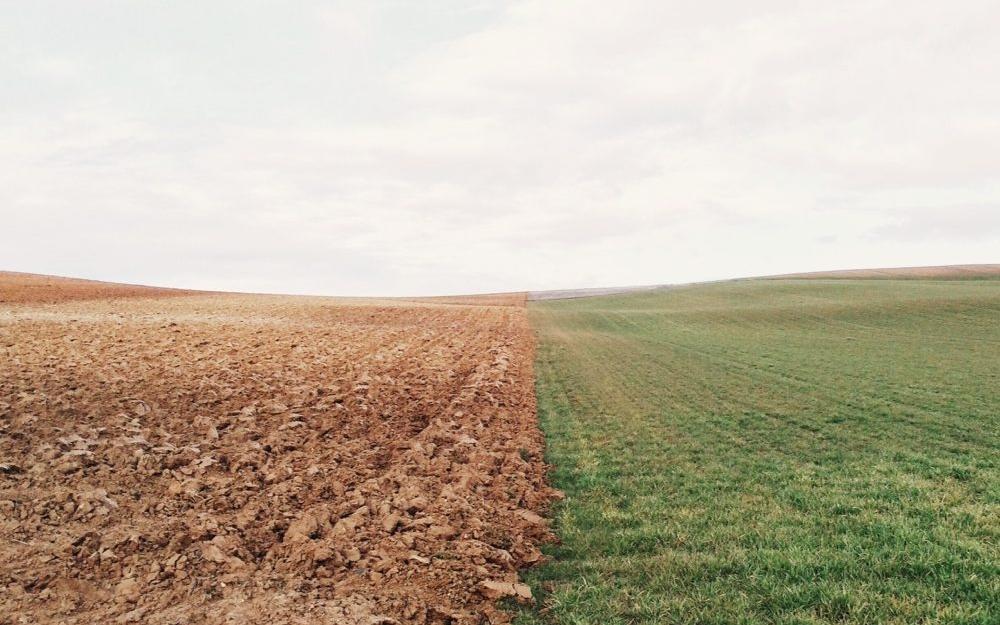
pixel 941 272
pixel 32 288
pixel 264 459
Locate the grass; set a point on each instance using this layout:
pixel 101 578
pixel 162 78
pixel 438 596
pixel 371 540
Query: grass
pixel 773 452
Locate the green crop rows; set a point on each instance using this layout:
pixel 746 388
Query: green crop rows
pixel 773 452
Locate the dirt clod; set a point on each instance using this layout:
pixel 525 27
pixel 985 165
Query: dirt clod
pixel 497 590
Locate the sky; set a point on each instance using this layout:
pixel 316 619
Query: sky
pixel 405 148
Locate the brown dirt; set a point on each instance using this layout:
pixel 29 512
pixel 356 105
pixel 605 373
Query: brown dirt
pixel 23 288
pixel 488 299
pixel 265 459
pixel 944 272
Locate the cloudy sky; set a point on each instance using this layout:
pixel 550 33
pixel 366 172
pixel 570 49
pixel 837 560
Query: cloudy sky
pixel 402 147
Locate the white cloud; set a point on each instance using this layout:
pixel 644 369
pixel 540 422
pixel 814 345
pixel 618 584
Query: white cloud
pixel 389 148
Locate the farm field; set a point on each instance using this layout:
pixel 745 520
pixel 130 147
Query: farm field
pixel 177 457
pixel 773 451
pixel 940 272
pixel 31 288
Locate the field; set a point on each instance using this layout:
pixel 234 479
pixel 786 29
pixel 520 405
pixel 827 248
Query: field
pixel 177 457
pixel 759 451
pixel 30 288
pixel 941 272
pixel 779 451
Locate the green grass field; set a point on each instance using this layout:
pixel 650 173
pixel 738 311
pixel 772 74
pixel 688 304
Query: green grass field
pixel 773 452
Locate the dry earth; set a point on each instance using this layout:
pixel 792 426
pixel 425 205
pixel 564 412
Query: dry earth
pixel 213 458
pixel 941 272
pixel 594 292
pixel 33 288
pixel 487 299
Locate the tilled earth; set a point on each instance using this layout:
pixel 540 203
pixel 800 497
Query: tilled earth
pixel 209 458
pixel 32 288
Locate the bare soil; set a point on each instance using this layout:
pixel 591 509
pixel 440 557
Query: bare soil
pixel 487 299
pixel 22 288
pixel 535 296
pixel 942 272
pixel 264 459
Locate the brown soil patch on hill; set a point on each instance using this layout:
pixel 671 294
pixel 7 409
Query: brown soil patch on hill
pixel 943 272
pixel 31 288
pixel 487 299
pixel 266 459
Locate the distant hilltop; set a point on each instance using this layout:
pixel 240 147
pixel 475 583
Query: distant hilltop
pixel 940 272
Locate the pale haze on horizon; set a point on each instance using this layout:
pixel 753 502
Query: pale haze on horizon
pixel 399 148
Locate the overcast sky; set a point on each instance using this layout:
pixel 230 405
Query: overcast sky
pixel 406 147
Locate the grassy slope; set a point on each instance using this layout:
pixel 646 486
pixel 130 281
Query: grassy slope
pixel 774 452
